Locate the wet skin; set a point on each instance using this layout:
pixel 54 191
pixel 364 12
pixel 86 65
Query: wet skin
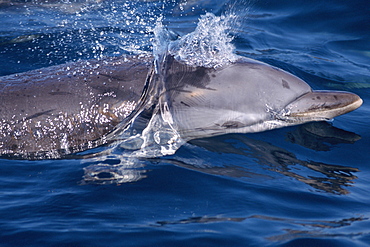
pixel 73 107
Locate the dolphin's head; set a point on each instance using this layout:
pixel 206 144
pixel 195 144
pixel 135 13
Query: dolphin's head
pixel 246 96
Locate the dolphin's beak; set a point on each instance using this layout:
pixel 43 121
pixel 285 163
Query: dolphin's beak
pixel 322 105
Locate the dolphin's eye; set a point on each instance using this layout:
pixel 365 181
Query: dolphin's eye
pixel 232 124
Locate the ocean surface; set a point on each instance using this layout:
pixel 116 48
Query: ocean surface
pixel 307 185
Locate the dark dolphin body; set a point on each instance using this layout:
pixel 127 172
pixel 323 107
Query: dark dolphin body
pixel 69 108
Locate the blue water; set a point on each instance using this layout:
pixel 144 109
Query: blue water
pixel 306 185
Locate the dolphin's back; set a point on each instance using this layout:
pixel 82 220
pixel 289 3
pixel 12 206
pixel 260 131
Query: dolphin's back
pixel 67 108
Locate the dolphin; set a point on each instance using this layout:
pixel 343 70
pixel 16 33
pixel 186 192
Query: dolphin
pixel 67 108
pixel 51 112
pixel 244 97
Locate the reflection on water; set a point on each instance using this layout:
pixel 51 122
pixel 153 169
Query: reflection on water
pixel 313 223
pixel 320 136
pixel 330 178
pixel 323 177
pixel 113 171
pixel 318 228
pixel 202 219
pixel 317 231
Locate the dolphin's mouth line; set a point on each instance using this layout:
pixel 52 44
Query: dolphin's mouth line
pixel 326 109
pixel 320 105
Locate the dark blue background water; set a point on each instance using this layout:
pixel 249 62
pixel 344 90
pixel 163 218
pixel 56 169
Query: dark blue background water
pixel 299 186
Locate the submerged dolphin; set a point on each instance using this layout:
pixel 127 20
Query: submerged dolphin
pixel 69 108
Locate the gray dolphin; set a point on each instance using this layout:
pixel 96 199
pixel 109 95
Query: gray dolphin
pixel 74 107
pixel 67 108
pixel 246 96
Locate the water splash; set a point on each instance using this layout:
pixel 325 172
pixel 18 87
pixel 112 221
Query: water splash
pixel 152 131
pixel 209 45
